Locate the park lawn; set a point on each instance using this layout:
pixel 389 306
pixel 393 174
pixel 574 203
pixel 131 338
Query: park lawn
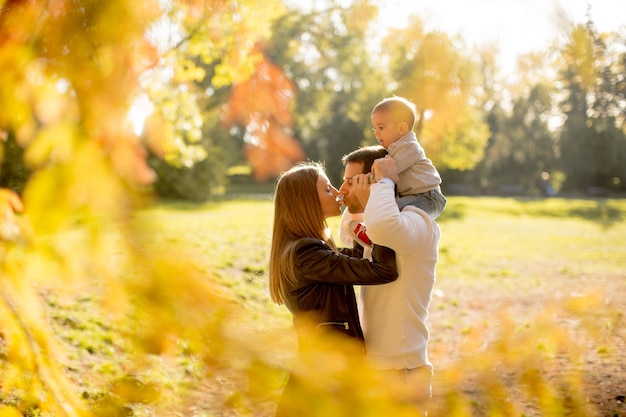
pixel 526 264
pixel 526 288
pixel 504 243
pixel 517 277
pixel 231 240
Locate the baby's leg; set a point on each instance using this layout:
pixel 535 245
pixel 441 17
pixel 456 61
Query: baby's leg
pixel 432 202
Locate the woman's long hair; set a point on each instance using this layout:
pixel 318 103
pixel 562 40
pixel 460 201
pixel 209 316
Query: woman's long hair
pixel 297 214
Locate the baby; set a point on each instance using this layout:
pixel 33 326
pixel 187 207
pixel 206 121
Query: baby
pixel 419 183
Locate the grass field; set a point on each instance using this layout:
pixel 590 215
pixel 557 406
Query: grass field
pixel 536 265
pixel 534 275
pixel 527 318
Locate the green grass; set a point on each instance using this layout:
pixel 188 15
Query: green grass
pixel 231 240
pixel 490 237
pixel 508 242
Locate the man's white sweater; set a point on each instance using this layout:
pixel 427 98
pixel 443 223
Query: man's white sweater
pixel 394 315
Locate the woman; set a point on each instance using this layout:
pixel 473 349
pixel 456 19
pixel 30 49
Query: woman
pixel 309 275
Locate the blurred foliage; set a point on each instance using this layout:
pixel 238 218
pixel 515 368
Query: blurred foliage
pixel 286 84
pixel 13 172
pixel 70 71
pixel 67 74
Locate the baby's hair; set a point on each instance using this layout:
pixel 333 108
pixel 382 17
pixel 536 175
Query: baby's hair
pixel 401 110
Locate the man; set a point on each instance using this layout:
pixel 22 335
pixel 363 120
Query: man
pixel 393 315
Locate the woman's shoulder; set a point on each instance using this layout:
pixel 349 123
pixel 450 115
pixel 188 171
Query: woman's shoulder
pixel 310 250
pixel 308 242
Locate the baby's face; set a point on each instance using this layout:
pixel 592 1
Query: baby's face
pixel 385 130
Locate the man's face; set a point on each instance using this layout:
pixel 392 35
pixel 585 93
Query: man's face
pixel 347 190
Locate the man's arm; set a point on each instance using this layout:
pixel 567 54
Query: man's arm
pixel 385 224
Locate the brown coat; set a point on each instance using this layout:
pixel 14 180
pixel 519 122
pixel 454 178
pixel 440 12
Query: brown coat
pixel 325 283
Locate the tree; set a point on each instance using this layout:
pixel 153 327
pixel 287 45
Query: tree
pixel 528 146
pixel 525 145
pixel 593 141
pixel 206 49
pixel 490 98
pixel 325 52
pixel 431 70
pixel 262 106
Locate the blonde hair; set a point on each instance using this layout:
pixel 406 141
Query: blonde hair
pixel 297 214
pixel 400 109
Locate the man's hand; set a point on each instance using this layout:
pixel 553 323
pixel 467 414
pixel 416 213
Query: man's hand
pixel 385 167
pixel 361 187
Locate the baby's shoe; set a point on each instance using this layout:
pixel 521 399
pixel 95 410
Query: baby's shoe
pixel 360 233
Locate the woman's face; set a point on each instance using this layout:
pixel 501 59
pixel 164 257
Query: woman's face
pixel 328 197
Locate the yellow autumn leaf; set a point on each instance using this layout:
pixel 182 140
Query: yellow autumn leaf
pixel 54 143
pixel 9 411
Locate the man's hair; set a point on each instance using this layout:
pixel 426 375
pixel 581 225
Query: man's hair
pixel 365 155
pixel 400 109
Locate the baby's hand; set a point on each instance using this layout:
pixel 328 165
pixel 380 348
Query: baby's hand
pixel 385 167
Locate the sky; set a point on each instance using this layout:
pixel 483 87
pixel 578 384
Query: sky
pixel 515 26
